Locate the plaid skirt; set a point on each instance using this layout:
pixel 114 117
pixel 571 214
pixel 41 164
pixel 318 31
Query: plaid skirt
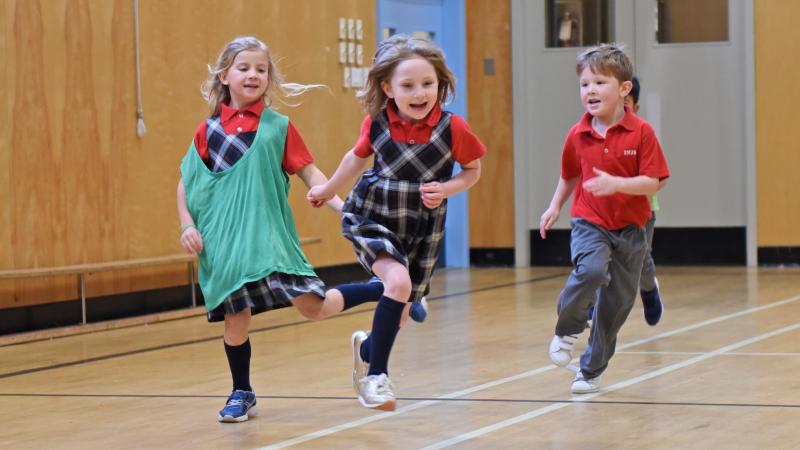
pixel 271 292
pixel 387 216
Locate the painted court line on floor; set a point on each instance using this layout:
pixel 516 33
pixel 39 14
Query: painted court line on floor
pixel 615 387
pixel 413 407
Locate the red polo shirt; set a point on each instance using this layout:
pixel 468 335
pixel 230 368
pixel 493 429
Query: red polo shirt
pixel 465 146
pixel 295 153
pixel 629 149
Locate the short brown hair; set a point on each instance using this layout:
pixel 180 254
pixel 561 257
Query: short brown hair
pixel 392 52
pixel 606 59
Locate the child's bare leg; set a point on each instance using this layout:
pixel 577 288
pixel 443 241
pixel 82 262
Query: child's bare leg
pixel 315 308
pixel 236 327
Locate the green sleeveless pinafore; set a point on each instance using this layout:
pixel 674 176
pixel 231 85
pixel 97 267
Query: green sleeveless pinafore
pixel 243 215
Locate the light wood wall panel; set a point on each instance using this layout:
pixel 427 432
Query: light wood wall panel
pixel 76 183
pixel 777 44
pixel 491 201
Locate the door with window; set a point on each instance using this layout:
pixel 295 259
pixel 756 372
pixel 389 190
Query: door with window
pixel 690 58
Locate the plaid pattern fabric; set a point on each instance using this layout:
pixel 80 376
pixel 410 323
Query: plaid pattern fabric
pixel 225 149
pixel 384 211
pixel 277 289
pixel 272 292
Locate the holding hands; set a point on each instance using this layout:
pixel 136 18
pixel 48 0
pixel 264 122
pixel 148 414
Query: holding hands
pixel 318 195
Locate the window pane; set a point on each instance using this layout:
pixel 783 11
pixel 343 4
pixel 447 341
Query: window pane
pixel 692 21
pixel 578 23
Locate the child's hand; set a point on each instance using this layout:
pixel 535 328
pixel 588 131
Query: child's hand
pixel 191 241
pixel 547 221
pixel 317 195
pixel 432 194
pixel 601 185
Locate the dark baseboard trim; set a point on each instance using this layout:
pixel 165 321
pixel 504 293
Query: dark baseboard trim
pixel 491 257
pixel 672 246
pixel 119 306
pixel 779 256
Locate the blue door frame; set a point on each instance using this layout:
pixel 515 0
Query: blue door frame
pixel 447 20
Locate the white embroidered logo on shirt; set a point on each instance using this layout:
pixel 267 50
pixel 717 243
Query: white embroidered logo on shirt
pixel 629 152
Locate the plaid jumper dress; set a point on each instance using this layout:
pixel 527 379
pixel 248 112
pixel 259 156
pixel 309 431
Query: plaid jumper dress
pixel 384 211
pixel 277 289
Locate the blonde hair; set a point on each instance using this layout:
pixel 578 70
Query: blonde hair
pixel 216 93
pixel 390 53
pixel 606 59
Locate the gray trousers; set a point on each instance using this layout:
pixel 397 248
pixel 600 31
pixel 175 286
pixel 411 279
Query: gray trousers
pixel 606 269
pixel 648 280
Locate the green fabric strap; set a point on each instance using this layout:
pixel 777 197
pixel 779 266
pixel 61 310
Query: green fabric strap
pixel 654 203
pixel 243 215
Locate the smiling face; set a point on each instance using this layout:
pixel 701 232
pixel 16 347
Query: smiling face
pixel 603 95
pixel 247 78
pixel 414 87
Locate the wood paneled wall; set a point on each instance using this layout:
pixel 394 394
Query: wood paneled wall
pixel 491 201
pixel 777 44
pixel 77 185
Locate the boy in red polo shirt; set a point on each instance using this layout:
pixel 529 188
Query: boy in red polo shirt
pixel 613 162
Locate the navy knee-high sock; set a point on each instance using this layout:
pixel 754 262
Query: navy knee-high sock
pixel 356 294
pixel 385 326
pixel 365 349
pixel 239 362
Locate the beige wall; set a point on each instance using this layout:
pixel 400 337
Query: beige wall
pixel 76 183
pixel 777 44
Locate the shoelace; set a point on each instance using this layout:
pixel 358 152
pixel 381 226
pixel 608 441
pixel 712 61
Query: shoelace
pixel 567 342
pixel 383 385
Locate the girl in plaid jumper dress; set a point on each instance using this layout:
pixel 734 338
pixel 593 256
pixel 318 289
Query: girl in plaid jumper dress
pixel 395 214
pixel 234 211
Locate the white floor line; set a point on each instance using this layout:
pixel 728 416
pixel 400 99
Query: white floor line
pixel 614 387
pixel 423 404
pixel 727 354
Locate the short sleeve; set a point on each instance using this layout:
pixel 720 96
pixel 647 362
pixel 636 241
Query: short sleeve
pixel 295 152
pixel 570 164
pixel 363 147
pixel 200 140
pixel 652 162
pixel 466 146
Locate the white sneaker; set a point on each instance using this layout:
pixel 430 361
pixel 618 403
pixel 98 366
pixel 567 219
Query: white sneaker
pixel 561 349
pixel 360 367
pixel 581 385
pixel 377 392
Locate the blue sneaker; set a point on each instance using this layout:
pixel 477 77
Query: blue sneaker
pixel 240 406
pixel 652 305
pixel 419 310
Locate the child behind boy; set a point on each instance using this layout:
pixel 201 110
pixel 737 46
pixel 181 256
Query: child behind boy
pixel 613 162
pixel 648 283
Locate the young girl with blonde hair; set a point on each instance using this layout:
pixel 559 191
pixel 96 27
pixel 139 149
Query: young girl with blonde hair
pixel 395 214
pixel 234 211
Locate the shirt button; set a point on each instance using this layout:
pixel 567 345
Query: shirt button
pixel 411 141
pixel 605 150
pixel 241 115
pixel 239 129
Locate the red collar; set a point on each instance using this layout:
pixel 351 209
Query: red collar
pixel 227 112
pixel 628 122
pixel 431 119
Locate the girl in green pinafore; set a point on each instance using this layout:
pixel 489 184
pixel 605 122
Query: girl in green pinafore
pixel 234 211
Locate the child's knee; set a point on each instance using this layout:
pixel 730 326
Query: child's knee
pixel 397 286
pixel 592 275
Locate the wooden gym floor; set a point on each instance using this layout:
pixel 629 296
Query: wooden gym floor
pixel 720 371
